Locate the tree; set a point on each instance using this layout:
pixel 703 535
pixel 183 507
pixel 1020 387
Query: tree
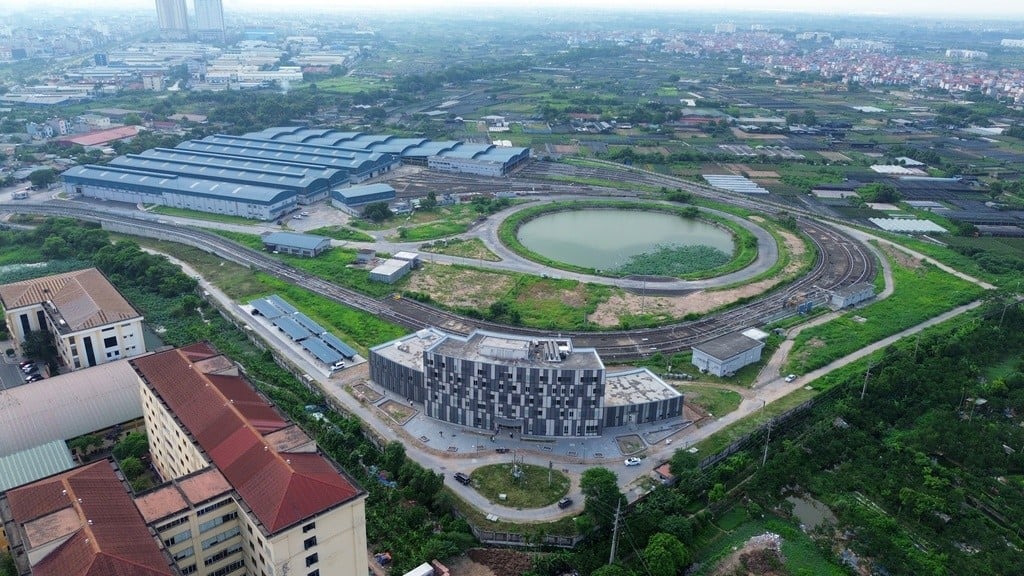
pixel 809 117
pixel 672 545
pixel 39 345
pixel 717 492
pixel 132 468
pixel 133 120
pixel 879 192
pixel 42 178
pixel 658 561
pixel 377 211
pixel 134 445
pixel 600 487
pixel 394 457
pixel 612 570
pixel 430 202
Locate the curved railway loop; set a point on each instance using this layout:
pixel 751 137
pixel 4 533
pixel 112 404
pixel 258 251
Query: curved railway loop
pixel 841 261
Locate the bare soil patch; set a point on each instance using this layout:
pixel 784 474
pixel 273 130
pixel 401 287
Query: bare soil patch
pixel 465 566
pixel 630 444
pixel 400 413
pixel 501 562
pixel 763 174
pixel 455 286
pixel 361 391
pixel 902 258
pixel 759 556
pixel 608 313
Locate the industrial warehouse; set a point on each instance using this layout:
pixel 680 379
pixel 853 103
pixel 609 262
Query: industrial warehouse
pixel 266 175
pixel 511 383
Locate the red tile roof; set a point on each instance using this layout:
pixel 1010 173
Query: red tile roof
pixel 103 136
pixel 228 419
pixel 112 540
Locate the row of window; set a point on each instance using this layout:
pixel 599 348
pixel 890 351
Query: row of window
pixel 213 523
pixel 222 537
pixel 213 559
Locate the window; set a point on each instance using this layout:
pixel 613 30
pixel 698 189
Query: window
pixel 212 507
pixel 178 538
pixel 312 559
pixel 213 559
pixel 110 342
pixel 222 537
pixel 190 569
pixel 211 524
pixel 309 543
pixel 229 568
pixel 186 553
pixel 314 573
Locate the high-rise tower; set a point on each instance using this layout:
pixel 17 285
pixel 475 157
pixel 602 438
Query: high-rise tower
pixel 210 20
pixel 172 16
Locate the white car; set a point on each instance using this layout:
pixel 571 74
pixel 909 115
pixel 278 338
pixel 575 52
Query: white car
pixel 791 377
pixel 634 461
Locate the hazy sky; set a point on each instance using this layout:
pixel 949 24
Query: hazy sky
pixel 976 8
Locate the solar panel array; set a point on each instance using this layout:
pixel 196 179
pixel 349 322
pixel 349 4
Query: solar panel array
pixel 326 347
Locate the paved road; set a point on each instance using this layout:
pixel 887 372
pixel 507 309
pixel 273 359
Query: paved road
pixel 448 449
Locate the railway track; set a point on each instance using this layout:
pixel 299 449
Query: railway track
pixel 841 261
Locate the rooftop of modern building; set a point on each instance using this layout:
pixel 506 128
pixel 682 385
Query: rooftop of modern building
pixel 408 350
pixel 728 346
pixel 853 289
pixel 160 182
pixel 636 386
pixel 229 421
pixel 78 300
pixel 515 350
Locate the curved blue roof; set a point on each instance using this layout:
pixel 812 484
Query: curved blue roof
pixel 159 183
pixel 216 171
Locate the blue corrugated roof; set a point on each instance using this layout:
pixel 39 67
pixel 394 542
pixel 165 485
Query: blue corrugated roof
pixel 323 353
pixel 281 304
pixel 160 183
pixel 308 323
pixel 336 343
pixel 225 173
pixel 467 150
pixel 293 329
pixel 304 241
pixel 266 308
pixel 245 162
pixel 34 463
pixel 428 149
pixel 353 192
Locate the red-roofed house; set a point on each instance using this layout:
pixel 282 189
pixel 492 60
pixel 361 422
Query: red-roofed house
pixel 81 523
pixel 102 137
pixel 291 510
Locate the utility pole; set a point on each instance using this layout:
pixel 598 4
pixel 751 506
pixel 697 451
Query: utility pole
pixel 615 532
pixel 864 389
pixel 764 459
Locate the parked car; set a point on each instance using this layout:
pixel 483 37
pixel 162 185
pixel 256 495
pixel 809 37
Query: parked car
pixel 634 461
pixel 462 478
pixel 34 377
pixel 24 363
pixel 565 503
pixel 791 377
pixel 29 368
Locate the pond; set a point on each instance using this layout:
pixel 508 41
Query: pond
pixel 810 512
pixel 608 239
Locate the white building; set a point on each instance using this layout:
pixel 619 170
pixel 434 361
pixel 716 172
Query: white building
pixel 91 323
pixel 725 355
pixel 852 295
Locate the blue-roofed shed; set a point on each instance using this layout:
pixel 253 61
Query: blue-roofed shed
pixel 293 329
pixel 265 308
pixel 336 343
pixel 360 195
pixel 308 323
pixel 282 304
pixel 323 352
pixel 32 464
pixel 294 243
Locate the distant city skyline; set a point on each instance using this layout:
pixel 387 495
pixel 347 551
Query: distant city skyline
pixel 938 8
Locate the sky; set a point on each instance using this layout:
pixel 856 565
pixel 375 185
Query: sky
pixel 977 8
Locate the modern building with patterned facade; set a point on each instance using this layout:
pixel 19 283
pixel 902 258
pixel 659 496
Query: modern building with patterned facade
pixel 249 492
pixel 89 320
pixel 537 387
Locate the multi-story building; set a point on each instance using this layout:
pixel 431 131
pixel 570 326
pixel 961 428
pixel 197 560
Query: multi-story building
pixel 172 17
pixel 249 491
pixel 80 522
pixel 89 321
pixel 537 387
pixel 210 20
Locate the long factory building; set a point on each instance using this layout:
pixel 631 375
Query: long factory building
pixel 265 175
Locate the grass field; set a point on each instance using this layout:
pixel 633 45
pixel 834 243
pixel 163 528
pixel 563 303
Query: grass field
pixel 197 215
pixel 530 490
pixel 342 233
pixel 921 293
pixel 431 231
pixel 801 555
pixel 469 248
pixel 716 401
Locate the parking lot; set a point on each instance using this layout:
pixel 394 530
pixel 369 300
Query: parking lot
pixel 10 375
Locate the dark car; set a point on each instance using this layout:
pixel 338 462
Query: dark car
pixel 462 478
pixel 34 377
pixel 24 363
pixel 565 503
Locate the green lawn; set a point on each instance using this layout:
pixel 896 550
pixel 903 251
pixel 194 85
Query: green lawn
pixel 197 215
pixel 430 231
pixel 530 490
pixel 921 293
pixel 717 401
pixel 342 233
pixel 469 248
